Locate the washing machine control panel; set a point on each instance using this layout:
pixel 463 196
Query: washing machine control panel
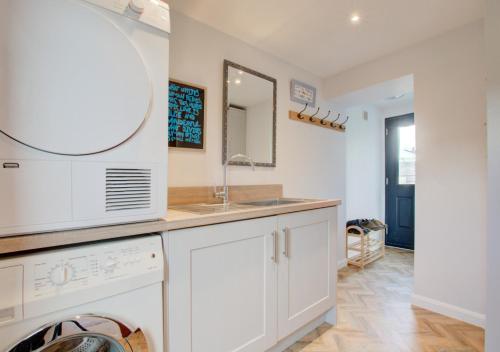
pixel 87 267
pixel 38 284
pixel 155 13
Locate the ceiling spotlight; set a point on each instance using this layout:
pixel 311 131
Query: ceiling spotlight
pixel 355 18
pixel 240 72
pixel 237 81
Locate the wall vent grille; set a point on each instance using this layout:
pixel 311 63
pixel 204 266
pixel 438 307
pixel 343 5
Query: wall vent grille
pixel 128 189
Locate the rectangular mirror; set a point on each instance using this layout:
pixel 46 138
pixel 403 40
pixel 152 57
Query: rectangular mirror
pixel 249 120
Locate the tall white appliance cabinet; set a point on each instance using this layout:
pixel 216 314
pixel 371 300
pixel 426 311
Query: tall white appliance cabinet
pixel 83 113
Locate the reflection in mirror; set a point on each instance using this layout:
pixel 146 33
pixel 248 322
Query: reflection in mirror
pixel 250 115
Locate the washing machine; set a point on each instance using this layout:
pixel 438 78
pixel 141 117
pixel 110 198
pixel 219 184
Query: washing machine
pixel 91 298
pixel 83 113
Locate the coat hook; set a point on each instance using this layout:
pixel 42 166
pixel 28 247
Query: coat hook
pixel 323 119
pixel 311 118
pixel 299 115
pixel 333 122
pixel 342 125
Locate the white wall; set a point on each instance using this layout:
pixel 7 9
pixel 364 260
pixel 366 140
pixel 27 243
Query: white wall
pixel 364 164
pixel 449 104
pixel 493 76
pixel 310 160
pixel 397 109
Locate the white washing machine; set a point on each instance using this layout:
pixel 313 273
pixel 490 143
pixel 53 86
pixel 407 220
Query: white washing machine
pixel 90 298
pixel 83 113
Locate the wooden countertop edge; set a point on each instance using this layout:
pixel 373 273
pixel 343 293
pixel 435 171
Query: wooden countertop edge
pixel 30 242
pixel 180 220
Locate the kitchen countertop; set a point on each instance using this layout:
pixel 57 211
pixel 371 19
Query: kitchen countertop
pixel 179 219
pixel 175 220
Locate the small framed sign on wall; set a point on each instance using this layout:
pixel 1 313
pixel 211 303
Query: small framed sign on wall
pixel 186 115
pixel 302 93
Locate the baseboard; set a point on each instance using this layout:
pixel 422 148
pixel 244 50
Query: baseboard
pixel 449 310
pixel 341 264
pixel 297 335
pixel 402 249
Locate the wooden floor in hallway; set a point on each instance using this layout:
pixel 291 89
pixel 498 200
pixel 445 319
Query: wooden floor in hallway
pixel 375 315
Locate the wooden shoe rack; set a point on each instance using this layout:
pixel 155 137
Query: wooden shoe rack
pixel 361 248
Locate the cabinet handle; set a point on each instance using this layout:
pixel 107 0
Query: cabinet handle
pixel 286 251
pixel 275 246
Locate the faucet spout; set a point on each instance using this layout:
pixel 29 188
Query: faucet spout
pixel 225 192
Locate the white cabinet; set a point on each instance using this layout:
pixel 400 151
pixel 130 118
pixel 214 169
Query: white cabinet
pixel 244 286
pixel 307 271
pixel 222 287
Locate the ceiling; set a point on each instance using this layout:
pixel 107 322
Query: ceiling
pixel 318 36
pixel 382 95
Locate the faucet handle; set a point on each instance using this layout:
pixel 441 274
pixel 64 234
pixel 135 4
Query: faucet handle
pixel 217 193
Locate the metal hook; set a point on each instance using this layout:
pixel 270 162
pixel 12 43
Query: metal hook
pixel 311 118
pixel 333 122
pixel 342 125
pixel 322 120
pixel 299 115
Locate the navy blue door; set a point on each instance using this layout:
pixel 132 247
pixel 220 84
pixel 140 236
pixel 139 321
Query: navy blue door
pixel 400 181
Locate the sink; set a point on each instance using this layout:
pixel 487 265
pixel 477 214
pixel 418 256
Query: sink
pixel 208 208
pixel 273 202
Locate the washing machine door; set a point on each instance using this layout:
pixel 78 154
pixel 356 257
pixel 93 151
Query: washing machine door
pixel 85 333
pixel 72 81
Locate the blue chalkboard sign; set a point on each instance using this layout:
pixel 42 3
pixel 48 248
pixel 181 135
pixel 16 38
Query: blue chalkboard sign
pixel 186 115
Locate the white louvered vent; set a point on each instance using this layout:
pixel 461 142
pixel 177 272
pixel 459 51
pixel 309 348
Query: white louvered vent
pixel 128 189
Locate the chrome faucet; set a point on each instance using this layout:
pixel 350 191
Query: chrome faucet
pixel 224 195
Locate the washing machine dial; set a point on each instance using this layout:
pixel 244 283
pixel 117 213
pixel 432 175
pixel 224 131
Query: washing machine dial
pixel 60 275
pixel 110 264
pixel 137 6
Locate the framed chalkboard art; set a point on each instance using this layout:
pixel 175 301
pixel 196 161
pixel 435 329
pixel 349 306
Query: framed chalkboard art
pixel 186 115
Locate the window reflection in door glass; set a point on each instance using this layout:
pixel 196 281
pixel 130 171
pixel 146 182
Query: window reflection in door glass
pixel 407 155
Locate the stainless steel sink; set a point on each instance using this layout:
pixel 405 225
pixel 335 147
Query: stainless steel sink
pixel 273 202
pixel 206 208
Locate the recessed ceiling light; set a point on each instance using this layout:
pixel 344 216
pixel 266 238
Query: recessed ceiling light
pixel 237 81
pixel 240 72
pixel 355 18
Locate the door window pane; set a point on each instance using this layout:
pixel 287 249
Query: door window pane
pixel 407 155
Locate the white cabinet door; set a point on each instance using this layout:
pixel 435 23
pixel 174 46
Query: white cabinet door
pixel 222 287
pixel 307 269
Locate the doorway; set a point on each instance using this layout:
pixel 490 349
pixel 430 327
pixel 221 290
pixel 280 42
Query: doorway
pixel 400 157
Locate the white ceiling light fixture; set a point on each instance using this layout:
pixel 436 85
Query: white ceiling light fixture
pixel 355 18
pixel 237 81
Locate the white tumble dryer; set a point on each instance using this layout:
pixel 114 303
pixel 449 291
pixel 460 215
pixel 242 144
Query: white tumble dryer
pixel 83 113
pixel 90 298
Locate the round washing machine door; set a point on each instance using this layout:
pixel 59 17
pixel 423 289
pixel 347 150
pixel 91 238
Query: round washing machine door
pixel 85 333
pixel 71 80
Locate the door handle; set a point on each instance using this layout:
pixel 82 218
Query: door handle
pixel 286 251
pixel 275 246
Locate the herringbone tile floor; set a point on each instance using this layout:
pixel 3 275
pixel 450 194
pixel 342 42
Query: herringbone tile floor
pixel 375 315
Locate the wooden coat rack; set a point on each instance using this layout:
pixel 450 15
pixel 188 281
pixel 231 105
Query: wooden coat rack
pixel 321 122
